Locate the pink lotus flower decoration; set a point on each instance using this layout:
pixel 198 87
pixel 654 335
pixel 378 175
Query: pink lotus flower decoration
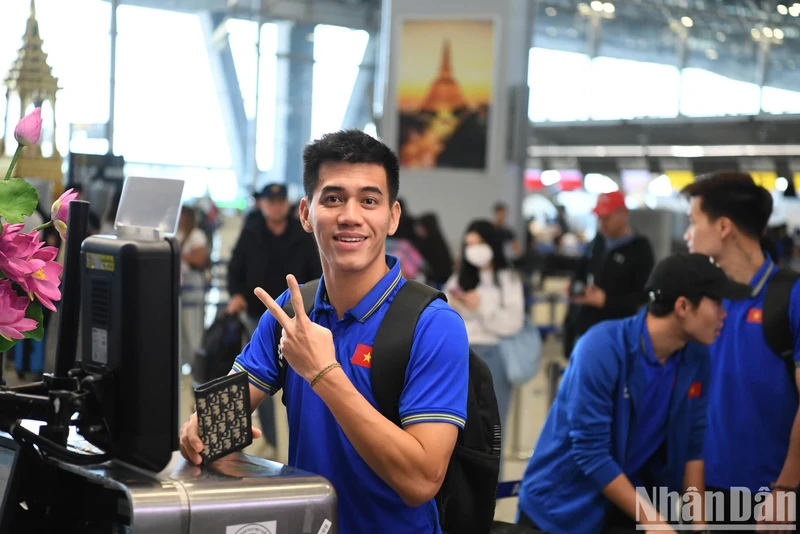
pixel 15 245
pixel 29 275
pixel 41 276
pixel 60 210
pixel 29 129
pixel 12 313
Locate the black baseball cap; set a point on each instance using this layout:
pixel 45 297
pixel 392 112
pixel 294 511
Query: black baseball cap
pixel 691 276
pixel 270 191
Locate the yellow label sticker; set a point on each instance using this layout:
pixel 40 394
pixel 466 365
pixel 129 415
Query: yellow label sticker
pixel 101 262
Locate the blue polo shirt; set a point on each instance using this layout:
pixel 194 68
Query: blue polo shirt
pixel 650 424
pixel 435 391
pixel 752 402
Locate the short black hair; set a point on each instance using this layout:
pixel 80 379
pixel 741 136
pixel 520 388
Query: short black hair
pixel 500 206
pixel 349 146
pixel 733 194
pixel 664 308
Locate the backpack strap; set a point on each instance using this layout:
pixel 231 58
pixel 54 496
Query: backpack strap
pixel 775 320
pixel 309 293
pixel 392 346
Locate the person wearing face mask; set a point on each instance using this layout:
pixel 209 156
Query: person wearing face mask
pixel 489 295
pixel 271 246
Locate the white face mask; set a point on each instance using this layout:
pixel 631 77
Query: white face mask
pixel 479 255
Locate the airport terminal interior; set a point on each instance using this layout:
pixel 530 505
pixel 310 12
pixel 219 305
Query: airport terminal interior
pixel 532 116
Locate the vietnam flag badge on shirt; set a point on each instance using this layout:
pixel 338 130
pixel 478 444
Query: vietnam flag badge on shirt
pixel 694 390
pixel 755 315
pixel 362 356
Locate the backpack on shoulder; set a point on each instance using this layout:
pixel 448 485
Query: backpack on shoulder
pixel 467 498
pixel 775 319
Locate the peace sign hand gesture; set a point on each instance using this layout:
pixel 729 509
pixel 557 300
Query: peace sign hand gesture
pixel 306 346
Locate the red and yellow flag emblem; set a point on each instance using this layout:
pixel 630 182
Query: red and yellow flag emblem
pixel 755 315
pixel 694 390
pixel 362 356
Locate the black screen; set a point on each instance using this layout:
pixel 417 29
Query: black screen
pixel 8 463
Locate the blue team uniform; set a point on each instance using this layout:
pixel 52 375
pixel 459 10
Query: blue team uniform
pixel 618 410
pixel 752 400
pixel 435 391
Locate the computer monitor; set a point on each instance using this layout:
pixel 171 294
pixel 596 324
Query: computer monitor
pixel 9 460
pixel 130 301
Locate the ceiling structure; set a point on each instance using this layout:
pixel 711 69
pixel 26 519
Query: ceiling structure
pixel 357 14
pixel 727 37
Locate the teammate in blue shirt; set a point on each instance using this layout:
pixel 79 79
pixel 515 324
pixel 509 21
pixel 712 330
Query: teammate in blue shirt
pixel 385 476
pixel 753 437
pixel 631 409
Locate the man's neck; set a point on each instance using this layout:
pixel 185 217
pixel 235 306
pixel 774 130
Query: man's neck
pixel 346 289
pixel 277 227
pixel 666 337
pixel 741 260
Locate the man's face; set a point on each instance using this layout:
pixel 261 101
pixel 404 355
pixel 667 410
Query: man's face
pixel 500 217
pixel 274 209
pixel 703 235
pixel 614 224
pixel 350 215
pixel 703 323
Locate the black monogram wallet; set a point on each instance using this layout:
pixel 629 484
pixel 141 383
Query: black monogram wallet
pixel 223 415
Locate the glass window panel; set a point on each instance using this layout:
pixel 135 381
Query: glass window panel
pixel 558 89
pixel 167 109
pixel 626 89
pixel 705 94
pixel 267 98
pixel 338 52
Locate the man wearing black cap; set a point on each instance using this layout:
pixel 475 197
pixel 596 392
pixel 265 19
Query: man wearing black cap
pixel 631 410
pixel 271 246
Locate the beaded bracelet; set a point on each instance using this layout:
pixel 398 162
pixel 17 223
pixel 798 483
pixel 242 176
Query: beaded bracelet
pixel 325 371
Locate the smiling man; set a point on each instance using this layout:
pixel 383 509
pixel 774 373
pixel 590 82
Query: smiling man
pixel 385 476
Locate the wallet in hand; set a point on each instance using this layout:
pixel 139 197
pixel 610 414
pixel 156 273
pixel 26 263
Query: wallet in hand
pixel 223 415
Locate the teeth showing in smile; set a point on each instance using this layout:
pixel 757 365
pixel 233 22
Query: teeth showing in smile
pixel 350 239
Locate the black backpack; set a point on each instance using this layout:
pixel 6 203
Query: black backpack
pixel 467 498
pixel 775 319
pixel 222 343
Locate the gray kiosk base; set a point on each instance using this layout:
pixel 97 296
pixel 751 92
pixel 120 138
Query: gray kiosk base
pixel 238 494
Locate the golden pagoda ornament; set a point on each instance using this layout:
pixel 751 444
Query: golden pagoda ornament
pixel 30 84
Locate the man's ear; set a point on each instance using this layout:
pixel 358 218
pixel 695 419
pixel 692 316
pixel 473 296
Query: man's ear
pixel 395 218
pixel 304 212
pixel 681 306
pixel 725 227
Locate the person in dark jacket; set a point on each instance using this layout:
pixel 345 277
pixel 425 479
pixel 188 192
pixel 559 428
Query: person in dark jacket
pixel 631 411
pixel 609 281
pixel 271 246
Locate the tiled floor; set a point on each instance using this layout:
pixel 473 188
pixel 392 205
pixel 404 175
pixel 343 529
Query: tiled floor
pixel 527 416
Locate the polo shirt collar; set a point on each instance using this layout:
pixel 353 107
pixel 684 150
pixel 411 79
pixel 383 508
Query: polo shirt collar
pixel 762 275
pixel 373 299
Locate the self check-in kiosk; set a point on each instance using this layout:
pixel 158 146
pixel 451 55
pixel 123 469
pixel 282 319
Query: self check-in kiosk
pixel 93 447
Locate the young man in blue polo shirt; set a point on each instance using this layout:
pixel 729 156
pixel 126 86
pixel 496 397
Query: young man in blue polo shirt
pixel 631 409
pixel 753 437
pixel 385 476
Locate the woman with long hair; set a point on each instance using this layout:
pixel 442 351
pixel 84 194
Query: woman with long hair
pixel 488 294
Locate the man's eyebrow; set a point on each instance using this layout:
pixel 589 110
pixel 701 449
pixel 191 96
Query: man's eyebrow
pixel 340 189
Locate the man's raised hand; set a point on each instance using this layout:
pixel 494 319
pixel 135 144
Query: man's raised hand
pixel 306 346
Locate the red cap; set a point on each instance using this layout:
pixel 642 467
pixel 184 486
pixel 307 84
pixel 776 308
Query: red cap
pixel 608 203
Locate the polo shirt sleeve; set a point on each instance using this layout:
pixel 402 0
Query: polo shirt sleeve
pixel 591 410
pixel 437 375
pixel 258 359
pixel 794 320
pixel 700 407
